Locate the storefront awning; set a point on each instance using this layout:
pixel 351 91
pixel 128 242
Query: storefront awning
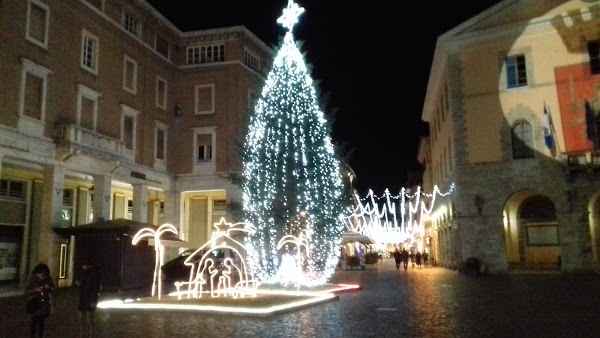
pixel 171 242
pixel 120 225
pixel 352 237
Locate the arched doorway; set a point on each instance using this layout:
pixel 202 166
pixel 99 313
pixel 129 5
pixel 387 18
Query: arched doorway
pixel 539 234
pixel 531 232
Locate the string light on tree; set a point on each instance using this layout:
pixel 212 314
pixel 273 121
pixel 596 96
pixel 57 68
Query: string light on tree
pixel 289 166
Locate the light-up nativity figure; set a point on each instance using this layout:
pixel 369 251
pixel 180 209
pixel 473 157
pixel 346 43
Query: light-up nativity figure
pixel 158 249
pixel 230 276
pixel 296 253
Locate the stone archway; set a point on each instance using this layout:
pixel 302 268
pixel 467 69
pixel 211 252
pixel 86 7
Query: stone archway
pixel 531 232
pixel 539 232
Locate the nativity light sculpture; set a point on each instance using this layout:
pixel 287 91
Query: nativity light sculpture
pixel 231 277
pixel 301 244
pixel 158 250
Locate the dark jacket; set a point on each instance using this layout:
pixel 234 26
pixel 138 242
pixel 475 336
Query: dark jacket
pixel 405 256
pixel 40 291
pixel 90 286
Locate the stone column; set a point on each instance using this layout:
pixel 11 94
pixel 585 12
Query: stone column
pixel 102 197
pixel 172 211
pixel 140 202
pixel 153 211
pixel 83 206
pixel 234 196
pixel 52 202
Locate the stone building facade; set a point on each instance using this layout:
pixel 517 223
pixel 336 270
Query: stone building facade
pixel 512 104
pixel 108 110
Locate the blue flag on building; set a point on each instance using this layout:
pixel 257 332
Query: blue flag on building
pixel 547 131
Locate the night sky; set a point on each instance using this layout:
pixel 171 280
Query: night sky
pixel 371 65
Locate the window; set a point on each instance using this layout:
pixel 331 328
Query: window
pixel 160 137
pixel 129 209
pixel 66 219
pixel 516 71
pixel 205 97
pixel 204 150
pixel 13 202
pixel 594 52
pixel 89 52
pixel 219 205
pixel 34 83
pixel 251 61
pixel 131 24
pixel 128 127
pixel 87 107
pixel 14 190
pixel 33 96
pixel 129 75
pixel 205 54
pixel 38 16
pixel 204 140
pixel 161 45
pixel 522 140
pixel 161 92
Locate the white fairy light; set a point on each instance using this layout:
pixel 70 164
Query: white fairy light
pixel 290 15
pixel 394 221
pixel 158 249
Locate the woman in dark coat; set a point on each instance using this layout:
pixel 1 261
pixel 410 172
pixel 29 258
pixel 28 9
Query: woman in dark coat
pixel 39 300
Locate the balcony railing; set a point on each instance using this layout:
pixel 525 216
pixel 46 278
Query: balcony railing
pixel 582 160
pixel 69 137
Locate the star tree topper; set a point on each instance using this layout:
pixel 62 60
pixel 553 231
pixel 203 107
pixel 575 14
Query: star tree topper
pixel 290 15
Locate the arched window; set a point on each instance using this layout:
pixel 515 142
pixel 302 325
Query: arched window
pixel 540 228
pixel 538 209
pixel 522 140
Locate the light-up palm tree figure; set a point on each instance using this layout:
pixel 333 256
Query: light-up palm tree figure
pixel 158 249
pixel 301 241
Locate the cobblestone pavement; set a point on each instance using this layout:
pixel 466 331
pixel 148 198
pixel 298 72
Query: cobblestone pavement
pixel 426 302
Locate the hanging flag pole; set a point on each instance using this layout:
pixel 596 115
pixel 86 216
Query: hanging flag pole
pixel 557 145
pixel 547 129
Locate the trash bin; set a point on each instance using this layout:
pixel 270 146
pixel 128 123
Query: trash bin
pixel 472 266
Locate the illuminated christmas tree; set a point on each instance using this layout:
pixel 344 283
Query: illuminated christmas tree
pixel 291 179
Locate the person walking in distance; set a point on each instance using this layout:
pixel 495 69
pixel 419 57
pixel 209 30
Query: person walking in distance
pixel 90 286
pixel 405 257
pixel 398 258
pixel 425 258
pixel 38 291
pixel 418 257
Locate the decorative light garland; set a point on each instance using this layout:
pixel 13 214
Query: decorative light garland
pixel 393 222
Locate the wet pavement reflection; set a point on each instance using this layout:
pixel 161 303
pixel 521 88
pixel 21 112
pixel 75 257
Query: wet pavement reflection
pixel 425 302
